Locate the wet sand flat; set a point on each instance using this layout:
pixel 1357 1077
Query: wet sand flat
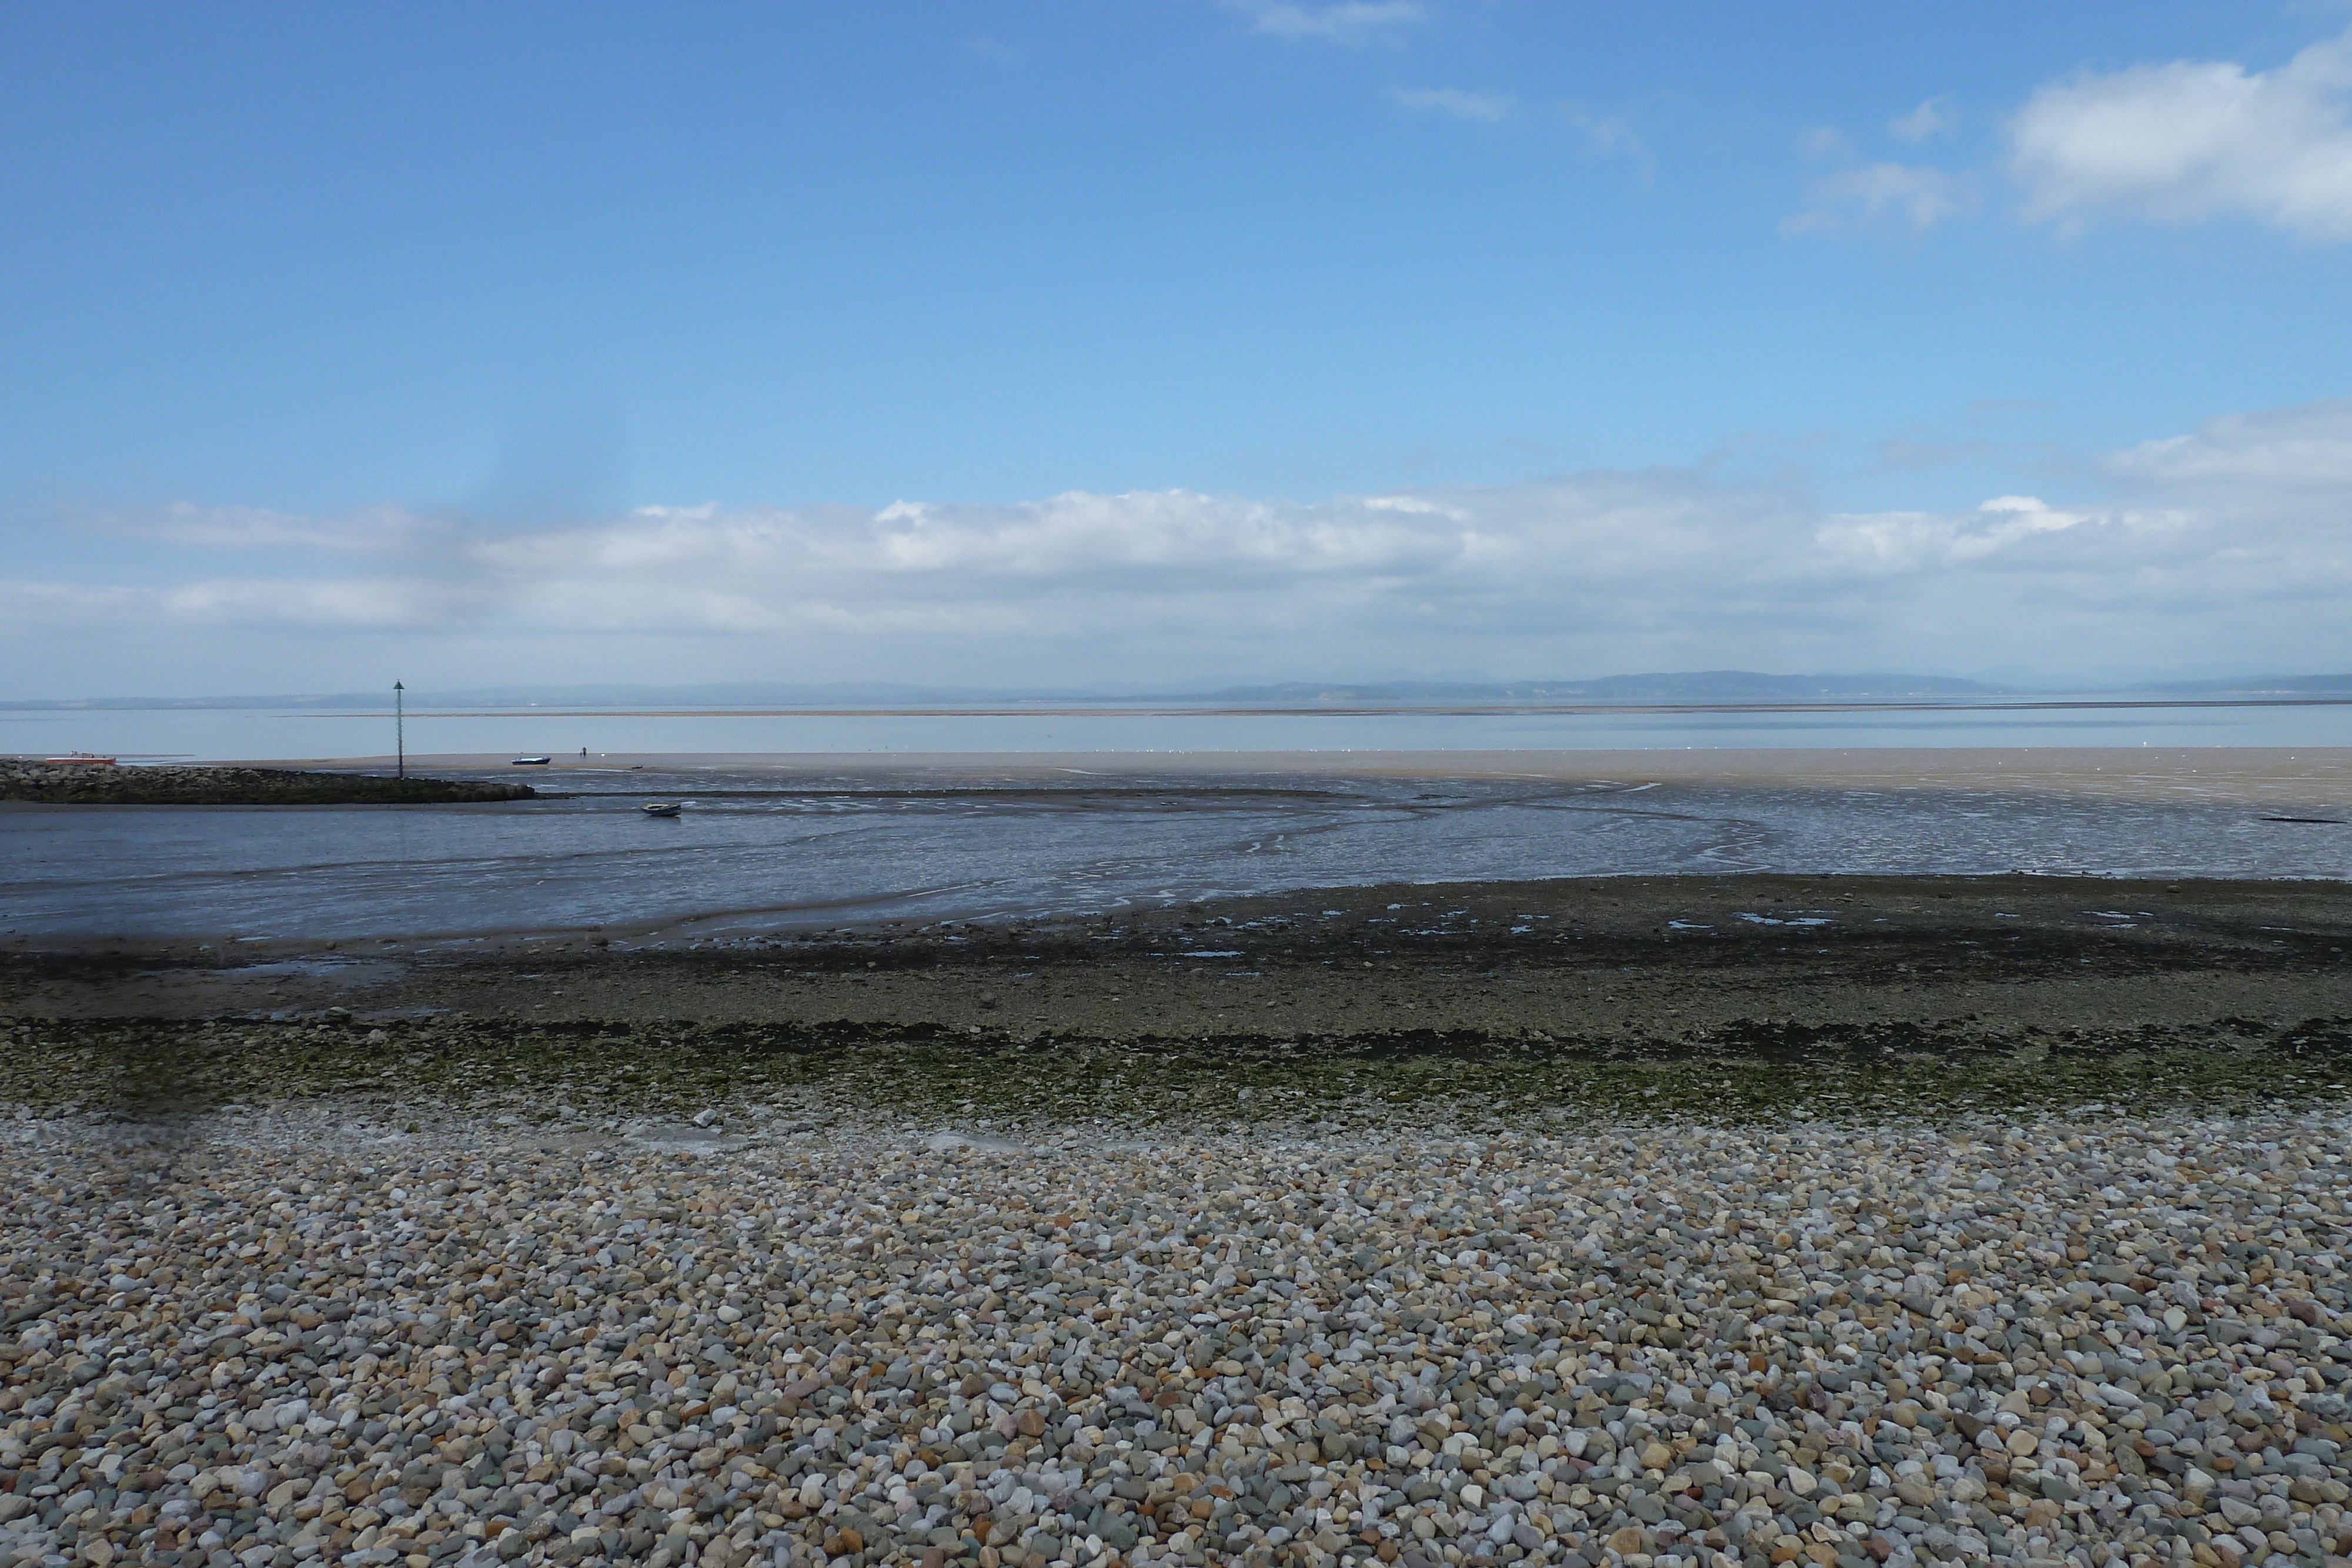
pixel 2319 777
pixel 768 845
pixel 1678 961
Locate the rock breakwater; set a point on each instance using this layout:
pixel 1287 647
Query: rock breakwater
pixel 72 784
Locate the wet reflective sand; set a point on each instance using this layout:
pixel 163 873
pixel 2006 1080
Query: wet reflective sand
pixel 784 843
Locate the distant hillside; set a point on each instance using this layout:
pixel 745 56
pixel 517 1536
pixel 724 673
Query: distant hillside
pixel 1702 686
pixel 729 693
pixel 1665 686
pixel 1706 686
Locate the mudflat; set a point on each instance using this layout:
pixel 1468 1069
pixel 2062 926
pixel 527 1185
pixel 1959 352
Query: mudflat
pixel 1693 993
pixel 2316 778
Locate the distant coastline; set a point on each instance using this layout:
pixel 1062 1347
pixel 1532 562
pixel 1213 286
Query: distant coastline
pixel 1708 688
pixel 1330 705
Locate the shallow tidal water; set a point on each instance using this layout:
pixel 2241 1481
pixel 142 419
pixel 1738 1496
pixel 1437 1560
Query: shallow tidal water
pixel 795 846
pixel 201 733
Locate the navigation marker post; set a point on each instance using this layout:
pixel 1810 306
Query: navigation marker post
pixel 400 727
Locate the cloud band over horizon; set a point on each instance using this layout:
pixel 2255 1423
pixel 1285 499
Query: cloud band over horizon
pixel 2224 546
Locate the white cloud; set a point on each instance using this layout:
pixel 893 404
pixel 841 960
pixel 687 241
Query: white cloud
pixel 1354 22
pixel 1486 108
pixel 2277 453
pixel 2228 543
pixel 372 529
pixel 1417 506
pixel 1882 196
pixel 1820 142
pixel 2194 139
pixel 1606 134
pixel 1930 119
pixel 1911 541
pixel 251 603
pixel 1080 563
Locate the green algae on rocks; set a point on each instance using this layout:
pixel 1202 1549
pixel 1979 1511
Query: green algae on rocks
pixel 145 1068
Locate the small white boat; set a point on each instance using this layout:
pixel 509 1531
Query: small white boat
pixel 530 762
pixel 661 808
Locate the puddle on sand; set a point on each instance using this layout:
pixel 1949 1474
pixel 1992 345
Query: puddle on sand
pixel 356 971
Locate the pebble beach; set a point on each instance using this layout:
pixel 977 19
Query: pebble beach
pixel 284 1336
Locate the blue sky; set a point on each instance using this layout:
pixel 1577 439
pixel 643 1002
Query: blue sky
pixel 1178 339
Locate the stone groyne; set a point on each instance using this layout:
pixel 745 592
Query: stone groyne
pixel 85 784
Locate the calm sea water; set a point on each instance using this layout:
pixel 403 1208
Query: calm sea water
pixel 260 733
pixel 782 848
